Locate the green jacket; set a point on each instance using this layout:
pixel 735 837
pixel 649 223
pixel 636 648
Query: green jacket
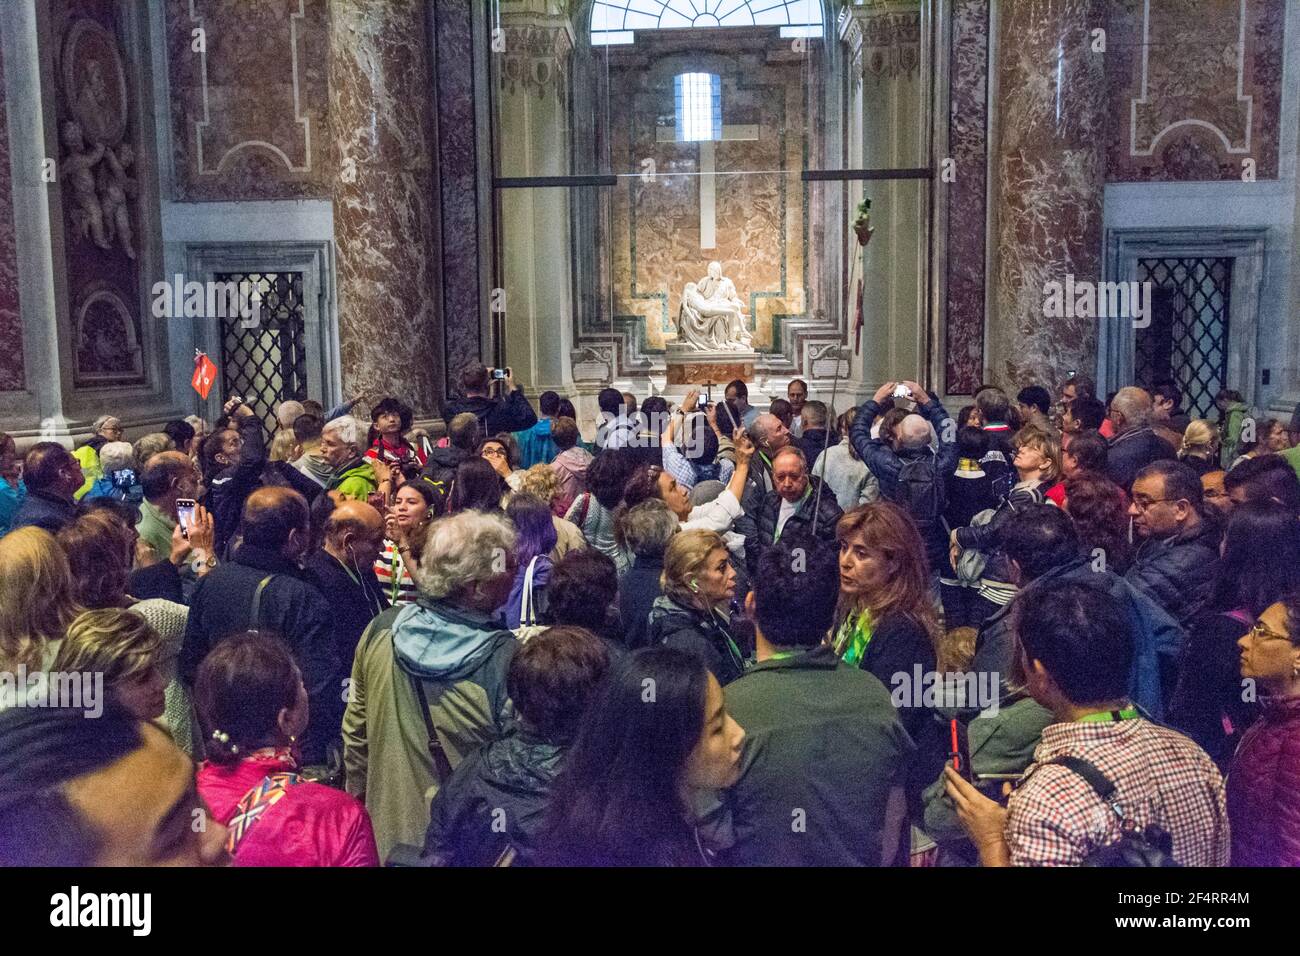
pixel 356 480
pixel 155 529
pixel 461 659
pixel 1230 432
pixel 1001 743
pixel 823 751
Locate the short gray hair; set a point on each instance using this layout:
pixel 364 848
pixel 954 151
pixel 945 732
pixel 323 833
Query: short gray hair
pixel 462 550
pixel 200 425
pixel 913 432
pixel 348 429
pixel 115 456
pixel 150 445
pixel 103 420
pixel 646 528
pixel 1134 404
pixel 288 413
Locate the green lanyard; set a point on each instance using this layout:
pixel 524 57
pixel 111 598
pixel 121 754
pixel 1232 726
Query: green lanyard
pixel 398 569
pixel 1109 716
pixel 783 655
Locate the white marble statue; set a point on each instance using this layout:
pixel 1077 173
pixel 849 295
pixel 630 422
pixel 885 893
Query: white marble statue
pixel 712 316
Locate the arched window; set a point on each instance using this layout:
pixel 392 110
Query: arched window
pixel 612 21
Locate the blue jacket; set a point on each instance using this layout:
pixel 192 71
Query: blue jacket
pixel 1157 638
pixel 11 499
pixel 535 445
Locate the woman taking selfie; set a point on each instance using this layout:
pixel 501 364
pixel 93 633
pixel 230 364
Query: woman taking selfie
pixel 693 614
pixel 623 796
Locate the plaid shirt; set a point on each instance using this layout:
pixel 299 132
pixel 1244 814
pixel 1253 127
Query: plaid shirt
pixel 1161 777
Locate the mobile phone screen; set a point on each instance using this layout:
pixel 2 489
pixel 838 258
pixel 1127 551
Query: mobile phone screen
pixel 185 514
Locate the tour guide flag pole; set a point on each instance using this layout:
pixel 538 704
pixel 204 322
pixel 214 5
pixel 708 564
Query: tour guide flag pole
pixel 862 229
pixel 205 373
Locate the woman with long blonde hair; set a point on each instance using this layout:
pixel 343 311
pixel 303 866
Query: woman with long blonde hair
pixel 36 603
pixel 885 622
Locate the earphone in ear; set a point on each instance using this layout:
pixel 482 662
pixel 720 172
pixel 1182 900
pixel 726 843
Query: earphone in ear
pixel 694 585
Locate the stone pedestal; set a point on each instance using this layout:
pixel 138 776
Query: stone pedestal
pixel 687 366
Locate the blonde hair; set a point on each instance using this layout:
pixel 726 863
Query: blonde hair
pixel 685 556
pixel 281 446
pixel 540 481
pixel 114 642
pixel 1201 438
pixel 1047 445
pixel 36 603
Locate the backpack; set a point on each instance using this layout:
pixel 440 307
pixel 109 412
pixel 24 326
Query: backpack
pixel 1152 846
pixel 917 491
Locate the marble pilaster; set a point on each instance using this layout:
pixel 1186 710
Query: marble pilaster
pixel 12 373
pixel 1050 176
pixel 379 104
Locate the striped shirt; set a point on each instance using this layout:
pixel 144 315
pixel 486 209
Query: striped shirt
pixel 394 577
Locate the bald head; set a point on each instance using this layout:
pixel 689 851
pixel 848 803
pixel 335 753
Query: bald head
pixel 913 432
pixel 276 519
pixel 354 533
pixel 1130 409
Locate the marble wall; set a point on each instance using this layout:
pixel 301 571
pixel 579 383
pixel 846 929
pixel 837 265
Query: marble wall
pixel 759 204
pixel 968 138
pixel 1050 177
pixel 249 107
pixel 1194 88
pixel 12 372
pixel 384 228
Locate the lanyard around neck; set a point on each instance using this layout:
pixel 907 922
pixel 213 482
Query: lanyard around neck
pixel 1109 716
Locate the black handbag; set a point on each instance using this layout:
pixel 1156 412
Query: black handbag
pixel 1151 846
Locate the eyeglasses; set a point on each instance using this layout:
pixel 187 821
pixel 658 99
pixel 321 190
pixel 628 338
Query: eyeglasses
pixel 1142 504
pixel 1263 632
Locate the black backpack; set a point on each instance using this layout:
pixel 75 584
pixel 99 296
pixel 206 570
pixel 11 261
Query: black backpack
pixel 917 492
pixel 1152 846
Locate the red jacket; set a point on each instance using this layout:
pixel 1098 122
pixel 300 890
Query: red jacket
pixel 312 825
pixel 1264 789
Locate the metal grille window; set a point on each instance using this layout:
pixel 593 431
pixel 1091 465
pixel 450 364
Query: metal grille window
pixel 264 358
pixel 1187 340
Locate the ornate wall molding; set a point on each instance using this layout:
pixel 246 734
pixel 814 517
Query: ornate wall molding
pixel 883 38
pixel 537 52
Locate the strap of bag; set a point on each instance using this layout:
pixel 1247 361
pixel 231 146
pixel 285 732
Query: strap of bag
pixel 253 805
pixel 441 763
pixel 1099 782
pixel 527 607
pixel 586 503
pixel 255 616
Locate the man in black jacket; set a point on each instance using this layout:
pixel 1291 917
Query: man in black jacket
pixel 440 470
pixel 910 474
pixel 53 476
pixel 793 507
pixel 816 436
pixel 1135 444
pixel 263 589
pixel 510 413
pixel 342 569
pixel 1178 562
pixel 232 461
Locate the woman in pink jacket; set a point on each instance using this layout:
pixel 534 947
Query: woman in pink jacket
pixel 252 706
pixel 1264 780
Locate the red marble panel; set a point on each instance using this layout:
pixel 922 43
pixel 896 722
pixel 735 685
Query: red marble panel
pixel 11 326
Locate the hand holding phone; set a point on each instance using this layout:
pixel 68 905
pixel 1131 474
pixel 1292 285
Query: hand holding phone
pixel 185 515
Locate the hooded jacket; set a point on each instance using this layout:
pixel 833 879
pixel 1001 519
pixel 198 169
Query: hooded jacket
pixel 571 468
pixel 1264 789
pixel 535 445
pixel 461 658
pixel 356 480
pixel 440 470
pixel 505 783
pixel 1178 573
pixel 311 825
pixel 702 634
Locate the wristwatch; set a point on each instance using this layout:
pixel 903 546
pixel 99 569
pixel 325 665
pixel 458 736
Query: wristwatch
pixel 198 564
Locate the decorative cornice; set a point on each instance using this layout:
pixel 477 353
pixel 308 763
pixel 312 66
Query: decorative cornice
pixel 537 52
pixel 883 37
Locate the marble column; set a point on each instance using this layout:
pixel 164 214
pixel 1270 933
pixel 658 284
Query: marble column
pixel 380 99
pixel 12 377
pixel 1050 178
pixel 532 76
pixel 886 130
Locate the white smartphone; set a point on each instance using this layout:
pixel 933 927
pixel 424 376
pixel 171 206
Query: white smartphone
pixel 185 515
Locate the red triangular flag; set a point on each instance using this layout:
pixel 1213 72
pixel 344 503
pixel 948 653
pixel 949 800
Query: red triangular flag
pixel 205 373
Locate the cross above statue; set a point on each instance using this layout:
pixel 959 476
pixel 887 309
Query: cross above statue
pixel 708 174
